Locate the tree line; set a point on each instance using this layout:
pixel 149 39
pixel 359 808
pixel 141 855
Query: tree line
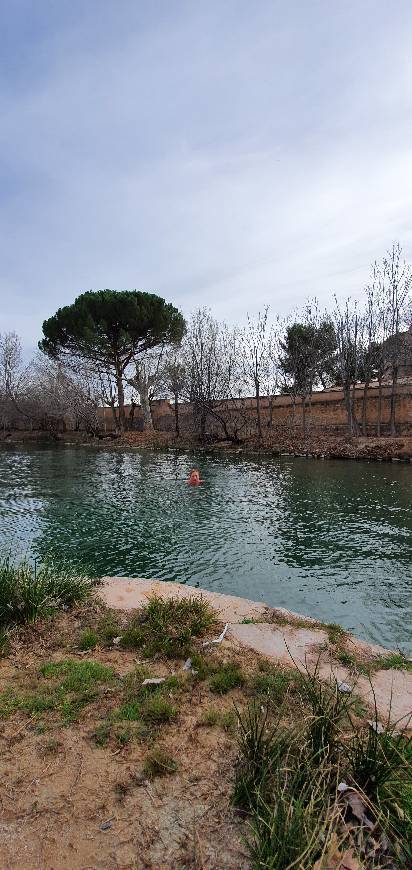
pixel 112 347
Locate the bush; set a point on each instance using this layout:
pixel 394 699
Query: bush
pixel 28 593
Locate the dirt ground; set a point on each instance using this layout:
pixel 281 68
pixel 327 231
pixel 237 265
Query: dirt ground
pixel 76 791
pixel 67 802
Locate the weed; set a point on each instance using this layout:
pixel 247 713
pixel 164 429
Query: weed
pixel 51 747
pixel 273 683
pixel 28 593
pixel 5 647
pixel 227 678
pixel 159 763
pixel 201 665
pixel 157 710
pixel 289 831
pixel 346 659
pixel 102 733
pixel 88 640
pixel 107 629
pixel 166 626
pixel 395 660
pixel 255 744
pixel 9 703
pixel 123 735
pixel 328 708
pixel 223 719
pixel 335 632
pixel 376 756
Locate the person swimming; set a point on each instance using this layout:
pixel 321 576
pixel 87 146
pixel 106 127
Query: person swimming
pixel 194 478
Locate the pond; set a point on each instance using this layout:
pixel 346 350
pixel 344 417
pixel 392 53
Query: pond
pixel 330 539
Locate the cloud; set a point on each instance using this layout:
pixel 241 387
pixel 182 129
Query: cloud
pixel 216 154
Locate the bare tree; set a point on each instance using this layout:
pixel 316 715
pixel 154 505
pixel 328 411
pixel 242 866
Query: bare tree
pixel 210 359
pixel 396 284
pixel 255 357
pixel 347 333
pixel 175 379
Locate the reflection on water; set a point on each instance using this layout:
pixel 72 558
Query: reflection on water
pixel 329 539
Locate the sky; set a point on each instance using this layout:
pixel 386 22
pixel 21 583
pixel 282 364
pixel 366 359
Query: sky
pixel 224 153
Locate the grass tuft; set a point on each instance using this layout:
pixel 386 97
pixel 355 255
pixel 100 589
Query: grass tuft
pixel 159 763
pixel 88 640
pixel 166 626
pixel 228 677
pixel 28 593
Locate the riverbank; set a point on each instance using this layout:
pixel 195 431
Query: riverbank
pixel 103 769
pixel 315 446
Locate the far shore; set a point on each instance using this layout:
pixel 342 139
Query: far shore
pixel 314 446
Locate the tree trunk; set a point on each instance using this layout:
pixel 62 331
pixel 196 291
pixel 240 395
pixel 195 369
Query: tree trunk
pixel 146 410
pixel 177 430
pixel 393 400
pixel 120 399
pixel 304 416
pixel 355 427
pixel 270 412
pixel 259 421
pixel 346 393
pixel 364 409
pixel 378 426
pixel 114 415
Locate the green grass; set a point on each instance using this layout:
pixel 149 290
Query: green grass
pixel 77 676
pixel 88 640
pixel 107 629
pixel 273 683
pixel 29 593
pixel 159 763
pixel 213 718
pixel 395 660
pixel 148 704
pixel 67 687
pixel 167 626
pixel 228 677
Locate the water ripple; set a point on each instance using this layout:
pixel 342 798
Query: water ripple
pixel 330 539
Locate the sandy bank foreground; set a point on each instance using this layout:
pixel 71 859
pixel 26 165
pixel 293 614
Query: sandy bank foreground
pixel 286 637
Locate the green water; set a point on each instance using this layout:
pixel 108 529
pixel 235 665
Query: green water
pixel 330 539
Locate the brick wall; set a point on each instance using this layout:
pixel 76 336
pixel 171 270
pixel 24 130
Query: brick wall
pixel 326 411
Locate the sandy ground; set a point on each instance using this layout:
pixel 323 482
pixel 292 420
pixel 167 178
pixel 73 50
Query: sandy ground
pixel 59 788
pixel 67 802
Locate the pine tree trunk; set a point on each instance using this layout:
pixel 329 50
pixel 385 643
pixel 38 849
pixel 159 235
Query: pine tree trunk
pixel 177 430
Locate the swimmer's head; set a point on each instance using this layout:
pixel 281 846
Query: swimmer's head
pixel 195 474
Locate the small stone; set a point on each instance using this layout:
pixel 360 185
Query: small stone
pixel 105 826
pixel 344 688
pixel 153 681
